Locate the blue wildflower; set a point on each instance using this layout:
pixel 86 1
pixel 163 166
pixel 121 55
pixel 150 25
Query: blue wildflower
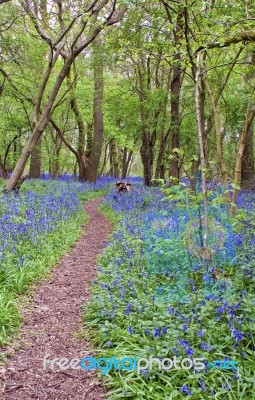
pixel 156 333
pixel 185 390
pixel 130 330
pixel 128 309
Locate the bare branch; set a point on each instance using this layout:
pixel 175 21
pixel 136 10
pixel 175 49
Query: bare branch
pixel 65 31
pixel 27 5
pixel 62 137
pixel 113 18
pixel 246 36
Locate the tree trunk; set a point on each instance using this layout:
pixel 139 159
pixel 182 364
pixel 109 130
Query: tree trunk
pixel 82 160
pixel 147 145
pixel 98 137
pixel 248 173
pixel 200 131
pixel 164 136
pixel 175 118
pixel 15 153
pixel 160 167
pixel 55 162
pixel 82 165
pixel 77 47
pixel 127 157
pixel 176 92
pixel 146 152
pixel 3 171
pixel 35 161
pixel 39 128
pixel 239 158
pixel 115 166
pixel 220 161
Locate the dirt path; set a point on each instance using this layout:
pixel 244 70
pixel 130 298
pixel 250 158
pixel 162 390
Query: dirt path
pixel 52 322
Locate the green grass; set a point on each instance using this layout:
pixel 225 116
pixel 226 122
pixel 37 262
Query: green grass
pixel 42 257
pixel 107 322
pixel 110 214
pixel 15 283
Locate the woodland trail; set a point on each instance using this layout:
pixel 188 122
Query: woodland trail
pixel 52 322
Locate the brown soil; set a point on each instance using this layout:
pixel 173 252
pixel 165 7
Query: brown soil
pixel 52 323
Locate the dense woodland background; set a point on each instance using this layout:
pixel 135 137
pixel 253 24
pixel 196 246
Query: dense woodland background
pixel 113 87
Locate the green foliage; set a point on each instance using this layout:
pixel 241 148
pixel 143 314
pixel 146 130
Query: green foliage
pixel 149 301
pixel 15 280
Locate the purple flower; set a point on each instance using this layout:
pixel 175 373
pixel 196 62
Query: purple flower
pixel 202 384
pixel 156 333
pixel 185 390
pixel 237 335
pixel 130 330
pixel 145 373
pixel 189 351
pixel 164 330
pixel 128 309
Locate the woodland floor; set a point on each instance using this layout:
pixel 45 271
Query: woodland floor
pixel 52 322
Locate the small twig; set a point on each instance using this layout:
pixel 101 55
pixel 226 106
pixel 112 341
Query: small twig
pixel 71 375
pixel 14 388
pixel 56 384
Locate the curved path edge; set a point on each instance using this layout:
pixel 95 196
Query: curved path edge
pixel 52 322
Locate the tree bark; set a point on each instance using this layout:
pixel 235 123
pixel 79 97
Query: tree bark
pixel 175 88
pixel 55 161
pixel 175 119
pixel 127 157
pixel 113 17
pixel 98 137
pixel 220 161
pixel 248 172
pixel 35 161
pixel 3 171
pixel 239 158
pixel 200 130
pixel 106 158
pixel 39 128
pixel 82 160
pixel 146 150
pixel 115 166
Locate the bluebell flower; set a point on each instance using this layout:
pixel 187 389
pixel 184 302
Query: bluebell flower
pixel 189 351
pixel 156 333
pixel 164 330
pixel 130 330
pixel 145 373
pixel 128 309
pixel 202 384
pixel 185 389
pixel 176 351
pixel 237 335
